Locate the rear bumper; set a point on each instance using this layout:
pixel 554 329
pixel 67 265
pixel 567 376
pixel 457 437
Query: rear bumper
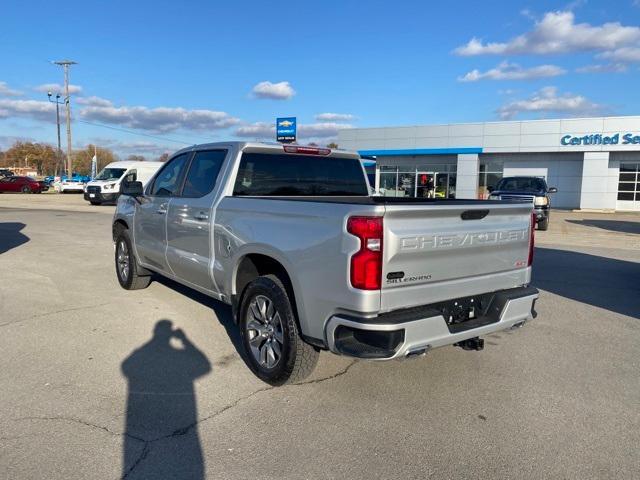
pixel 402 333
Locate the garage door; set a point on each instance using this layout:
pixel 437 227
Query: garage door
pixel 629 187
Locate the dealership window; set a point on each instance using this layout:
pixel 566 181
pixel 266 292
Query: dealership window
pixel 431 180
pixel 489 175
pixel 629 182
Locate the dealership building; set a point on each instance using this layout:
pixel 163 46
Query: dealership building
pixel 593 162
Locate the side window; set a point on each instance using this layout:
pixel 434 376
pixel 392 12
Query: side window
pixel 203 173
pixel 169 180
pixel 132 176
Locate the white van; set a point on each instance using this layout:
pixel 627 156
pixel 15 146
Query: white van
pixel 105 188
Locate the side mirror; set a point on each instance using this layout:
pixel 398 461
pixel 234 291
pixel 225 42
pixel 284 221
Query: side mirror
pixel 490 189
pixel 552 190
pixel 133 189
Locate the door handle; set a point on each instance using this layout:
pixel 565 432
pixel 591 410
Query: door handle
pixel 162 209
pixel 201 216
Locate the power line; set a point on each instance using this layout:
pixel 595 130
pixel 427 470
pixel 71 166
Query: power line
pixel 132 132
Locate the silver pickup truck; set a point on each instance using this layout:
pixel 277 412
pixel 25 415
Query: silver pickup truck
pixel 291 238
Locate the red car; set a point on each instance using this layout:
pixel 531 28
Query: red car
pixel 20 184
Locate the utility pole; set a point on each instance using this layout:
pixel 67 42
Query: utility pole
pixel 59 157
pixel 67 100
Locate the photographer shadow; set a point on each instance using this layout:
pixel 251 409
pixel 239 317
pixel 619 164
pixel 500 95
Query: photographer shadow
pixel 161 404
pixel 11 236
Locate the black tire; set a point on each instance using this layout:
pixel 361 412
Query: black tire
pixel 94 203
pixel 297 358
pixel 543 224
pixel 133 277
pixel 26 189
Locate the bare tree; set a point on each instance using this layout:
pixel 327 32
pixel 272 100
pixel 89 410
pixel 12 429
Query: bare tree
pixel 82 158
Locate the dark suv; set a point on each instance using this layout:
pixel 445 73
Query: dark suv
pixel 533 189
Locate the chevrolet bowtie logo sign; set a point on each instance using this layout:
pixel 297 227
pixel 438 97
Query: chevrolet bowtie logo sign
pixel 286 129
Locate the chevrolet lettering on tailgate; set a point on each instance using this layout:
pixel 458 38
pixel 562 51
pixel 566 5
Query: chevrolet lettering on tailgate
pixel 425 242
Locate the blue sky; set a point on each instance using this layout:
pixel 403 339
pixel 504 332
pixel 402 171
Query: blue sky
pixel 218 70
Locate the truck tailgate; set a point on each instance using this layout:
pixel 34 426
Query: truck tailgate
pixel 436 252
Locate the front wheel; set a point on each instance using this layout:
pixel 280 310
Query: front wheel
pixel 274 349
pixel 543 224
pixel 94 203
pixel 26 189
pixel 129 275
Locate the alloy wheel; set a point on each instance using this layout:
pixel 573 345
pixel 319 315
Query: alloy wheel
pixel 123 260
pixel 264 332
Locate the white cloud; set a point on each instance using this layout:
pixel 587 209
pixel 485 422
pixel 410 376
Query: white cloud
pixel 34 109
pixel 94 101
pixel 8 92
pixel 7 141
pixel 322 130
pixel 161 119
pixel 513 71
pixel 547 101
pixel 603 68
pixel 267 131
pixel 274 91
pixel 623 54
pixel 57 88
pixel 134 147
pixel 262 130
pixel 557 32
pixel 335 117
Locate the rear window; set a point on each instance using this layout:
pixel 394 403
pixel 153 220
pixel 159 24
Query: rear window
pixel 263 174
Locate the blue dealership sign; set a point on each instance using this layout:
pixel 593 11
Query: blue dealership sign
pixel 286 129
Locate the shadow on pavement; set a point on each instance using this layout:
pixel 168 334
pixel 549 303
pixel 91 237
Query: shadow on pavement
pixel 161 403
pixel 599 281
pixel 222 311
pixel 11 236
pixel 611 225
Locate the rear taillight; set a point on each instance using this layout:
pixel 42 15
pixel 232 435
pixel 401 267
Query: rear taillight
pixel 366 263
pixel 532 238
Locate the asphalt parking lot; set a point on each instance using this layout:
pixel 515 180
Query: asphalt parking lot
pixel 93 383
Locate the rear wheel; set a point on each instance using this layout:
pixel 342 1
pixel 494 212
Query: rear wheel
pixel 26 189
pixel 129 273
pixel 274 349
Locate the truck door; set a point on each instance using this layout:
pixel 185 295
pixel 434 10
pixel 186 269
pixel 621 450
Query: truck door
pixel 189 220
pixel 151 213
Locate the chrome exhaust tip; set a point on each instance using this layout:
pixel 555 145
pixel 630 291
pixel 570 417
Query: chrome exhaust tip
pixel 417 352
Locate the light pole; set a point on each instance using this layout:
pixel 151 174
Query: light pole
pixel 65 64
pixel 58 103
